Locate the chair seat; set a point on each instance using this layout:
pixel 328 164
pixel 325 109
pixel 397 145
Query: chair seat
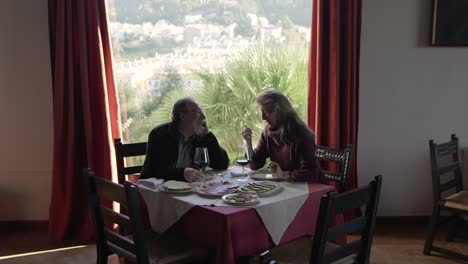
pixel 172 248
pixel 299 251
pixel 458 201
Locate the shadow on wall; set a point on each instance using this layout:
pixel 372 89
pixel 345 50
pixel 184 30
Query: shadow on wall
pixel 10 204
pixel 425 23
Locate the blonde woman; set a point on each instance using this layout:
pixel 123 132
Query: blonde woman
pixel 286 140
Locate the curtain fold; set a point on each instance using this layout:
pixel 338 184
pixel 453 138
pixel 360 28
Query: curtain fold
pixel 334 74
pixel 85 111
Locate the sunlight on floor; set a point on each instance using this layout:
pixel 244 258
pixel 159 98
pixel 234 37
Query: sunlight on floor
pixel 41 252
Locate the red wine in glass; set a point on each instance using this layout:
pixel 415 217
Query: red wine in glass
pixel 201 159
pixel 200 164
pixel 242 162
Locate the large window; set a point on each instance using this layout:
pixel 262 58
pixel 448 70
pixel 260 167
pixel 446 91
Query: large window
pixel 221 52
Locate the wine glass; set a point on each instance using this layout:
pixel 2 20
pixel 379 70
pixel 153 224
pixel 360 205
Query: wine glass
pixel 201 159
pixel 242 160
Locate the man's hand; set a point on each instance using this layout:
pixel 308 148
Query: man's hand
pixel 192 175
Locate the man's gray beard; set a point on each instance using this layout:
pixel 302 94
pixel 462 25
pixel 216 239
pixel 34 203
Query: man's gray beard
pixel 199 129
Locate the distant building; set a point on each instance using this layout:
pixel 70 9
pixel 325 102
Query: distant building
pixel 205 46
pixel 192 19
pixel 253 19
pixel 201 31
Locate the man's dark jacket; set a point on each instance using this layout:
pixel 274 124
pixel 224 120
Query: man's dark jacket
pixel 163 150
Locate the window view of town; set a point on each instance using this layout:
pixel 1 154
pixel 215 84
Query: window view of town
pixel 221 52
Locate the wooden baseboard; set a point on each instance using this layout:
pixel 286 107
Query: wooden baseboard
pixel 23 224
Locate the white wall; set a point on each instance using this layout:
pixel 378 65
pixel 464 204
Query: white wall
pixel 25 111
pixel 410 92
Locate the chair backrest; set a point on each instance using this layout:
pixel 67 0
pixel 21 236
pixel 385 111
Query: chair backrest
pixel 445 158
pixel 332 204
pixel 266 258
pixel 343 158
pixel 108 240
pixel 123 151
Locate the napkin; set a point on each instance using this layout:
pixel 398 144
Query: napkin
pixel 151 183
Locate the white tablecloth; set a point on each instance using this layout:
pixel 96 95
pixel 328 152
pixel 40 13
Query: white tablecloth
pixel 276 211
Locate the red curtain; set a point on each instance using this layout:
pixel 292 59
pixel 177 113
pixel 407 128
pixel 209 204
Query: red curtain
pixel 85 111
pixel 334 74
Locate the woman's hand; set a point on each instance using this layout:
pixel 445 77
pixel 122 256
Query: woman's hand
pixel 278 172
pixel 247 135
pixel 276 169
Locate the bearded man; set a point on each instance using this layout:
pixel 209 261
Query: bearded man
pixel 171 146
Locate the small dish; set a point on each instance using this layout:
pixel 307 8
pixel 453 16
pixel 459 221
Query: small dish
pixel 265 175
pixel 185 191
pixel 240 199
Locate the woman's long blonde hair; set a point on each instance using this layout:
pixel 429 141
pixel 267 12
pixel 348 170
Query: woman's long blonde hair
pixel 286 118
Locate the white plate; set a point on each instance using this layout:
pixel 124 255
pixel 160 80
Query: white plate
pixel 246 203
pixel 217 188
pixel 163 189
pixel 246 188
pixel 264 175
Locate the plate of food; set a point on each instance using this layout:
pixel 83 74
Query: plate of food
pixel 217 188
pixel 176 187
pixel 261 188
pixel 242 198
pixel 265 175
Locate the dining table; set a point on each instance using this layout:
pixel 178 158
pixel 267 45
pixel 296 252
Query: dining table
pixel 237 231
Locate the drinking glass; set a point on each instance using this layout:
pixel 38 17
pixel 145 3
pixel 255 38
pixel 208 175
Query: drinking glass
pixel 242 160
pixel 201 159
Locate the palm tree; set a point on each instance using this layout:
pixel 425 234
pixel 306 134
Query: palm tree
pixel 228 95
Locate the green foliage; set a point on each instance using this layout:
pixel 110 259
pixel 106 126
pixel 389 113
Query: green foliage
pixel 127 102
pixel 171 81
pixel 138 113
pixel 174 11
pixel 228 95
pixel 163 114
pixel 299 11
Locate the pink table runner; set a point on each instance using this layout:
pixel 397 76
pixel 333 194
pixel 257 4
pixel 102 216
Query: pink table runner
pixel 235 232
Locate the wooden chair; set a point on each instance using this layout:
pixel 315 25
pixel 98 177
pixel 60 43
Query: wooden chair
pixel 320 250
pixel 138 246
pixel 267 258
pixel 343 158
pixel 448 195
pixel 123 151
